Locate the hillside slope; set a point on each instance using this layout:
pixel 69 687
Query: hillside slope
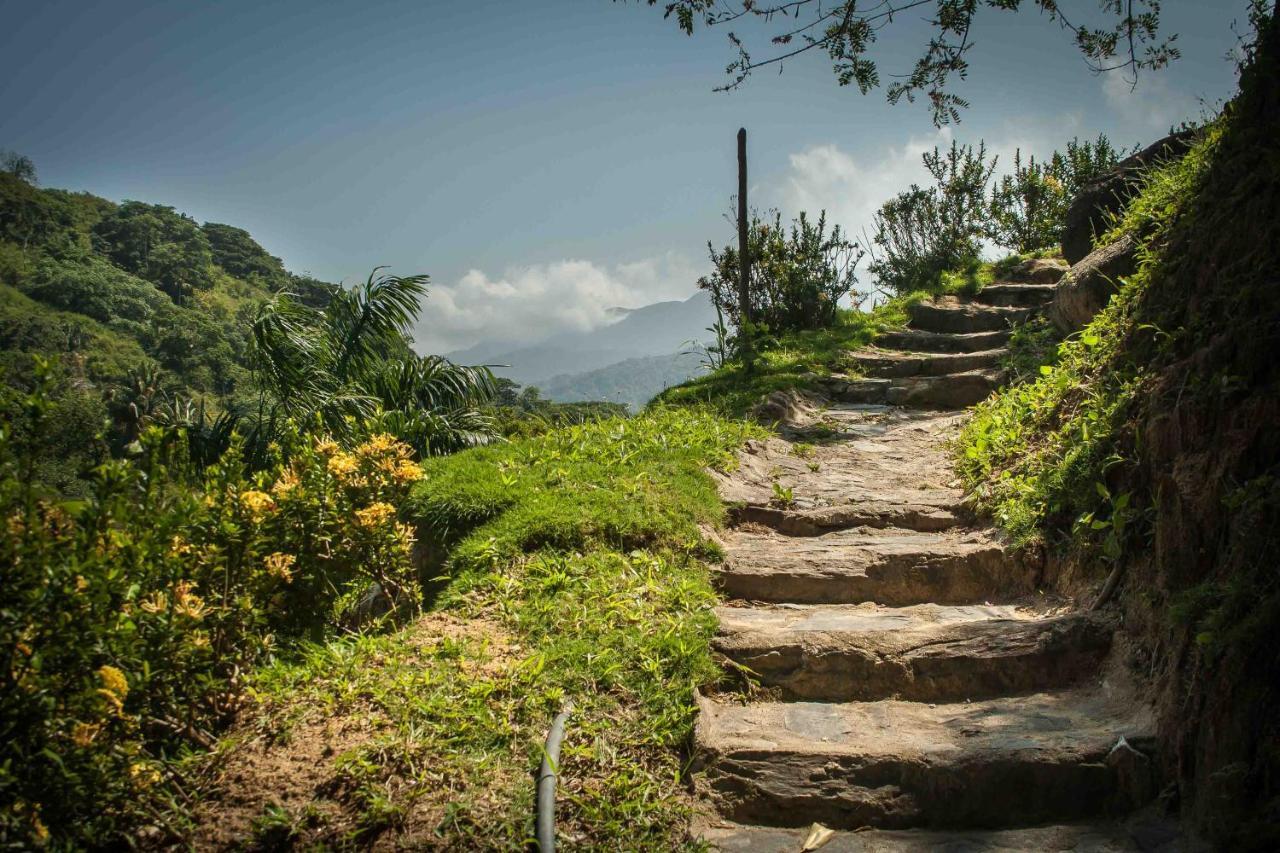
pixel 1148 453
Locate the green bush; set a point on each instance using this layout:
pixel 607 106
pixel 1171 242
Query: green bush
pixel 923 232
pixel 798 277
pixel 1028 208
pixel 130 617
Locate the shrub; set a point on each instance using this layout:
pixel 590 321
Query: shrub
pixel 923 232
pixel 798 277
pixel 130 617
pixel 1028 208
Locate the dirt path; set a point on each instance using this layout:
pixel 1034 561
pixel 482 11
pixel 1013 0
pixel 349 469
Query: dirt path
pixel 911 679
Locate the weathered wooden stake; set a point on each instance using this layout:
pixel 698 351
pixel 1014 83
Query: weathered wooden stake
pixel 745 332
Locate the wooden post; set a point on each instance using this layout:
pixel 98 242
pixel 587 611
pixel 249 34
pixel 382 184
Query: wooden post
pixel 744 258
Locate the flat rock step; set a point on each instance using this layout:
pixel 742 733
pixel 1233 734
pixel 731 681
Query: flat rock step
pixel 954 391
pixel 873 467
pixel 895 364
pixel 925 653
pixel 1076 838
pixel 915 340
pixel 1016 295
pixel 1022 761
pixel 891 566
pixel 953 316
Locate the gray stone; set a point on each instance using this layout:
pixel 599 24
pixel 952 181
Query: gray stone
pixel 1024 760
pixel 1088 214
pixel 926 653
pixel 1090 284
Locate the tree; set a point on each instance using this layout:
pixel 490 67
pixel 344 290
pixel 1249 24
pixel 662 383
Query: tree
pixel 1028 208
pixel 155 242
pixel 350 365
pixel 18 165
pixel 1128 38
pixel 239 254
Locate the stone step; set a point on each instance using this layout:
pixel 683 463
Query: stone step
pixel 950 315
pixel 895 364
pixel 873 467
pixel 1016 295
pixel 915 340
pixel 1097 837
pixel 1020 761
pixel 891 566
pixel 927 653
pixel 1038 271
pixel 953 391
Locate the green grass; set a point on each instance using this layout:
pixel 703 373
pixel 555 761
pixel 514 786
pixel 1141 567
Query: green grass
pixel 574 566
pixel 794 360
pixel 1039 455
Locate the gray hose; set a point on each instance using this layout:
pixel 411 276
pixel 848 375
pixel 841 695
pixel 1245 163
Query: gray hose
pixel 547 775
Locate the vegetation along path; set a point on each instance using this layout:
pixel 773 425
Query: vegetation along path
pixel 903 674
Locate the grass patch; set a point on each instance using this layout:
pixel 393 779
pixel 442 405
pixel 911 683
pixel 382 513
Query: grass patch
pixel 575 572
pixel 794 360
pixel 1040 455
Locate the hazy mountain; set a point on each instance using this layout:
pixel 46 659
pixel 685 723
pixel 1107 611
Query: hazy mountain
pixel 633 381
pixel 661 329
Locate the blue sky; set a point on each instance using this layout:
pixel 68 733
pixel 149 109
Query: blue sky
pixel 543 161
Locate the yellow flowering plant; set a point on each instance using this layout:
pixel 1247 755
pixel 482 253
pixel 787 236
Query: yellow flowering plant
pixel 130 617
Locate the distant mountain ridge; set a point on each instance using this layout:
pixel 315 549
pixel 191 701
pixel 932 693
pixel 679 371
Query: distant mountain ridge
pixel 660 329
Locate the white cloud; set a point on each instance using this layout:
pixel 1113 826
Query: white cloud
pixel 1152 105
pixel 851 188
pixel 528 304
pixel 825 177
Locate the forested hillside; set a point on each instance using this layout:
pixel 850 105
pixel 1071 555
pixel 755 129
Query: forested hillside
pixel 141 312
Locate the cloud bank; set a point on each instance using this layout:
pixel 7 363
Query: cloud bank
pixel 527 304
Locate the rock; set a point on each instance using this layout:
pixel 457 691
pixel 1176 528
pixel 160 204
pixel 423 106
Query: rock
pixel 1108 194
pixel 1037 271
pixel 926 653
pixel 951 315
pixel 1089 285
pixel 1029 759
pixel 789 408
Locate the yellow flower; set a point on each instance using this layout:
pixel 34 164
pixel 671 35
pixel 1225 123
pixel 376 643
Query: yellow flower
pixel 143 774
pixel 288 482
pixel 113 680
pixel 407 471
pixel 378 445
pixel 326 447
pixel 280 566
pixel 81 583
pixel 199 639
pixel 187 602
pixel 257 503
pixel 83 734
pixel 114 703
pixel 375 514
pixel 343 465
pixel 179 547
pixel 154 603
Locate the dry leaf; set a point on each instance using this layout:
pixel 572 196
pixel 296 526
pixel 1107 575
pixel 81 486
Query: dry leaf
pixel 818 836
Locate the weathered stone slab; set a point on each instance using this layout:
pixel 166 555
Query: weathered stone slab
pixel 890 566
pixel 925 653
pixel 1032 759
pixel 1016 295
pixel 895 364
pixel 915 340
pixel 1098 837
pixel 954 316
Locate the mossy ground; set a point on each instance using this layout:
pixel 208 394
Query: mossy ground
pixel 571 569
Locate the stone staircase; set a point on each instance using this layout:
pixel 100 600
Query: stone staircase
pixel 949 355
pixel 905 682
